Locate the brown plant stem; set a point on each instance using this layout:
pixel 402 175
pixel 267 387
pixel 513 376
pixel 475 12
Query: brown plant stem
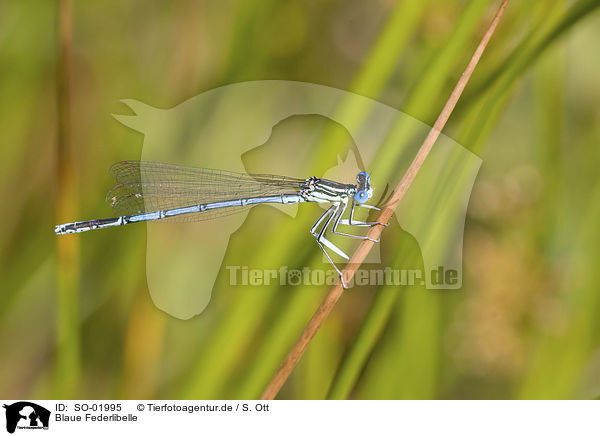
pixel 362 251
pixel 67 249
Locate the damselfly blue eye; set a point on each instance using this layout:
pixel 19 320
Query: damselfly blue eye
pixel 364 174
pixel 361 197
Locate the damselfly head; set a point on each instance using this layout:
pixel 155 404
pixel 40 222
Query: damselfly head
pixel 363 190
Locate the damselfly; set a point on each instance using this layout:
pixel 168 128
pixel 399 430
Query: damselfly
pixel 154 191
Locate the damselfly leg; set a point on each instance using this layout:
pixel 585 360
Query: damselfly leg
pixel 329 216
pixel 352 222
pixel 323 242
pixel 332 218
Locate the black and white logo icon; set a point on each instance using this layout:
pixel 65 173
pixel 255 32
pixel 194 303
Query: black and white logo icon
pixel 26 415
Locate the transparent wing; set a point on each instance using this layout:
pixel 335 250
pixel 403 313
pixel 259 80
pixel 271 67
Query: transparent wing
pixel 151 186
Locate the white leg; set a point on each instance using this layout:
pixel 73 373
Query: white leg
pixel 333 213
pixel 351 222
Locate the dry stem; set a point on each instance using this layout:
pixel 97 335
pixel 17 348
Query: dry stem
pixel 361 252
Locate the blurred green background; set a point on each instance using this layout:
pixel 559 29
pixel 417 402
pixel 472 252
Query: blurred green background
pixel 76 319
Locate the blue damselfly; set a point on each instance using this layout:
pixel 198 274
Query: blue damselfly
pixel 154 191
